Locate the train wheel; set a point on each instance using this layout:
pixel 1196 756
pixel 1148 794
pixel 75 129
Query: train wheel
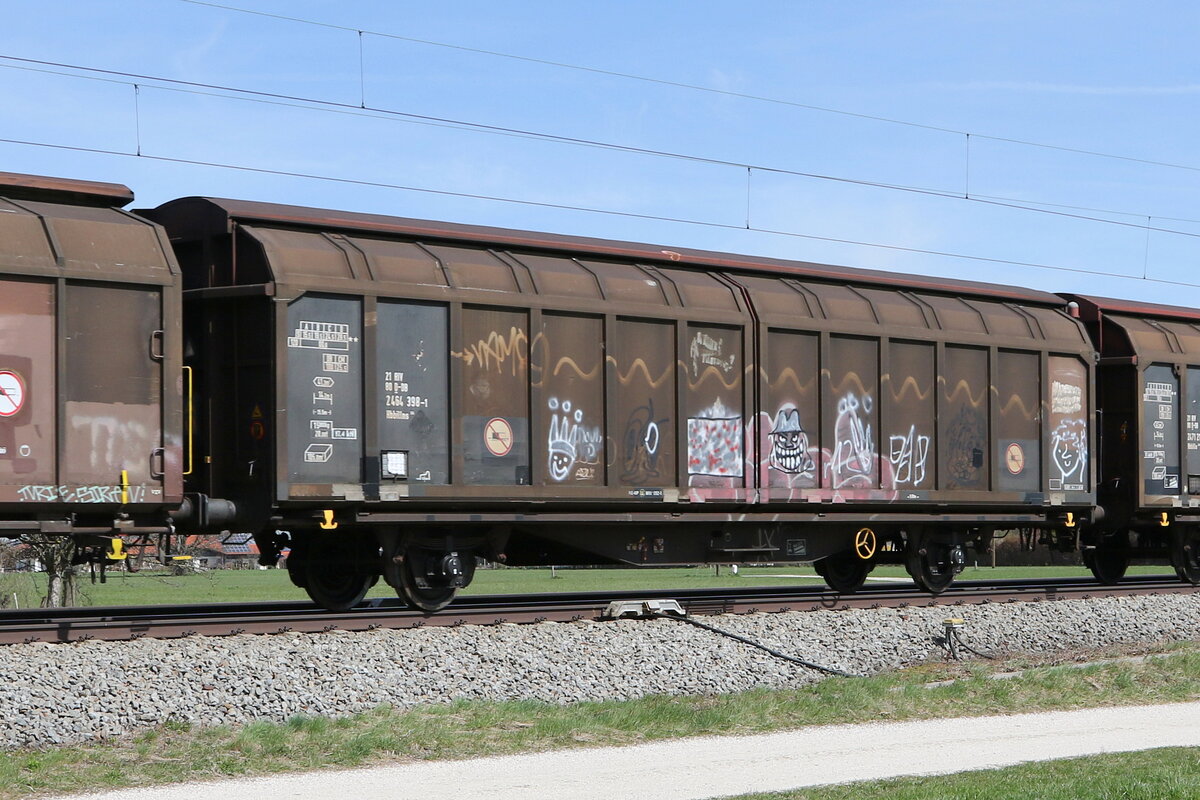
pixel 1185 554
pixel 295 569
pixel 844 572
pixel 335 584
pixel 1107 565
pixel 932 564
pixel 424 577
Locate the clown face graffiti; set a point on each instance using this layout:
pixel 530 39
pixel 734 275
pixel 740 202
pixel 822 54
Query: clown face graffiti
pixel 789 444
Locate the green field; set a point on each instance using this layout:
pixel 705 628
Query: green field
pixel 253 585
pixel 1167 774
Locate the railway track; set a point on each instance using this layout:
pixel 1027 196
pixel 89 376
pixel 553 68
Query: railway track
pixel 124 623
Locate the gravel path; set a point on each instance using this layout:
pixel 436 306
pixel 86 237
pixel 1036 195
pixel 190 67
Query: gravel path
pixel 57 693
pixel 693 769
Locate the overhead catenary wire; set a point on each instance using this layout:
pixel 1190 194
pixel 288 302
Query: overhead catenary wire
pixel 589 210
pixel 317 104
pixel 700 88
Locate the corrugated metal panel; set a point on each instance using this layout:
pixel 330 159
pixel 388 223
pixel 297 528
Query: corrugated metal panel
pixel 909 407
pixel 1161 337
pixel 324 389
pixel 113 385
pixel 475 268
pixel 642 369
pixel 628 284
pixel 957 315
pixel 896 308
pixel 560 277
pixel 781 301
pixel 789 304
pixel 413 390
pixel 28 385
pixel 494 364
pixel 566 366
pixel 302 254
pixel 714 407
pixel 102 237
pixel 842 303
pixel 50 238
pixel 23 242
pixel 702 292
pixel 400 262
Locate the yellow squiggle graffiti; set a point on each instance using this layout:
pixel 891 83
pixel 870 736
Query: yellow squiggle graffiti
pixel 849 382
pixel 568 361
pixel 640 364
pixel 963 386
pixel 789 376
pixel 1016 400
pixel 716 373
pixel 910 383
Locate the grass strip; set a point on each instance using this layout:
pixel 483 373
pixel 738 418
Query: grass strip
pixel 177 752
pixel 1168 774
pixel 25 590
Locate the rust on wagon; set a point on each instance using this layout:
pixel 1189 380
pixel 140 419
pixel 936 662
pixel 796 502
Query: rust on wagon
pixel 207 216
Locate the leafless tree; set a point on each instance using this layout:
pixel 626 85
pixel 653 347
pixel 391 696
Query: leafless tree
pixel 55 554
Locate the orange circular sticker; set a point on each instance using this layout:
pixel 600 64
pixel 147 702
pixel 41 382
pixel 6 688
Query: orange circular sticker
pixel 498 436
pixel 1014 459
pixel 257 430
pixel 12 393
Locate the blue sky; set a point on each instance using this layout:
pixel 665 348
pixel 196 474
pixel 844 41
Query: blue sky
pixel 772 176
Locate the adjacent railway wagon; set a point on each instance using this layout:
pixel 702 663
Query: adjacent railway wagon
pixel 393 398
pixel 90 358
pixel 1148 382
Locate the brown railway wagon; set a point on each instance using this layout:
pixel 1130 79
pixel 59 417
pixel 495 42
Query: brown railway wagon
pixel 448 390
pixel 1148 388
pixel 90 399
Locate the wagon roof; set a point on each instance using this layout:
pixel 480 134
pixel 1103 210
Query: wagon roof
pixel 17 186
pixel 78 229
pixel 220 212
pixel 1135 308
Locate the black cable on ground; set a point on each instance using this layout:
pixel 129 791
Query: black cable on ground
pixel 970 649
pixel 752 643
pixel 953 641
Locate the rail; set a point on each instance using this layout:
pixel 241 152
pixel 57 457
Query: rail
pixel 227 619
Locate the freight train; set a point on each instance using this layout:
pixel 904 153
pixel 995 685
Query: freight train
pixel 385 397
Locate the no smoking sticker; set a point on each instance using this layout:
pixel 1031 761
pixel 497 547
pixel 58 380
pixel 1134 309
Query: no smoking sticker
pixel 12 393
pixel 498 436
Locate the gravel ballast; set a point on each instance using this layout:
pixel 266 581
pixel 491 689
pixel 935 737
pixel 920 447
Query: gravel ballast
pixel 66 693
